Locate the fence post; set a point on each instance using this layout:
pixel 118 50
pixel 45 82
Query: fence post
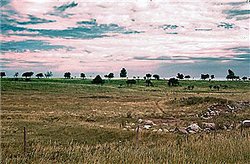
pixel 24 141
pixel 137 136
pixel 215 133
pixel 241 130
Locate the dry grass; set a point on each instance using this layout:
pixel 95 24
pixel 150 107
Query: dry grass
pixel 72 121
pixel 227 147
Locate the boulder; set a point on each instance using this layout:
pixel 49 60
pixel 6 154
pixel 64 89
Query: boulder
pixel 246 123
pixel 193 127
pixel 210 126
pixel 147 127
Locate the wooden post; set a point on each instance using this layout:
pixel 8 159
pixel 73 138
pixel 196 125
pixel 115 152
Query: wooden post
pixel 137 136
pixel 24 141
pixel 241 130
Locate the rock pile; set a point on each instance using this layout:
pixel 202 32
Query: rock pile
pixel 191 129
pixel 218 109
pixel 152 126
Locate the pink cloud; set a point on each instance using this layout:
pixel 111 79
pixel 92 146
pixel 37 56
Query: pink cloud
pixel 118 50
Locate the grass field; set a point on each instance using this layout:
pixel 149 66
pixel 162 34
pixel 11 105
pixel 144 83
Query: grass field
pixel 74 121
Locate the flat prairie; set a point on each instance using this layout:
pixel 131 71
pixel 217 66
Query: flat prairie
pixel 74 121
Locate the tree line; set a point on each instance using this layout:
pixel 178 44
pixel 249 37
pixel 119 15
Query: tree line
pixel 123 74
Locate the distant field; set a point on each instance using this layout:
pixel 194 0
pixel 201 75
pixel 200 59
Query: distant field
pixel 74 121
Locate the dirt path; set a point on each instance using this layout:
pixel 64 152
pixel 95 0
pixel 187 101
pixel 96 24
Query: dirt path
pixel 157 103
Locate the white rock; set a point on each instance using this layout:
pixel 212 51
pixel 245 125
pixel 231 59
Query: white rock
pixel 147 127
pixel 212 113
pixel 140 121
pixel 246 123
pixel 217 112
pixel 230 107
pixel 160 130
pixel 193 127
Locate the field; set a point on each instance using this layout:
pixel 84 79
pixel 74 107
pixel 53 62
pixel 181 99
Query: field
pixel 74 121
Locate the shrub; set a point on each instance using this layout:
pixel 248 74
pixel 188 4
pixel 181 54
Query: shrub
pixel 97 80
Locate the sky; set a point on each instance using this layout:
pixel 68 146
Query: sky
pixel 144 36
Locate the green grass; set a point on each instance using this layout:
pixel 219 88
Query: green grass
pixel 74 121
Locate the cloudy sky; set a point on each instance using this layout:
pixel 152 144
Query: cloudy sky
pixel 144 36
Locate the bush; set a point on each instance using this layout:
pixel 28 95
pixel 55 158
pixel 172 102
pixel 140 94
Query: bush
pixel 97 80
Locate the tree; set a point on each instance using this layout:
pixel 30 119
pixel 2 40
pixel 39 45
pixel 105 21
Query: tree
pixel 231 75
pixel 67 75
pixel 111 75
pixel 157 77
pixel 97 80
pixel 48 74
pixel 230 72
pixel 27 74
pixel 244 78
pixel 180 76
pixel 173 82
pixel 39 75
pixel 148 75
pixel 237 77
pixel 82 75
pixel 123 73
pixel 2 74
pixel 16 75
pixel 212 76
pixel 204 76
pixel 187 77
